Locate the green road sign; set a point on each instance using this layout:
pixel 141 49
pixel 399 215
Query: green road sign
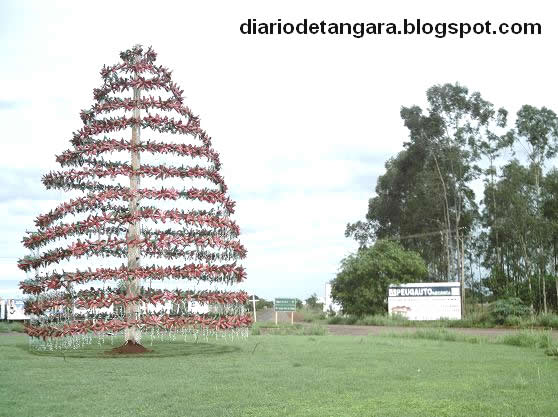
pixel 285 304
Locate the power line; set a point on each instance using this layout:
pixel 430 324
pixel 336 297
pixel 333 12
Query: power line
pixel 419 234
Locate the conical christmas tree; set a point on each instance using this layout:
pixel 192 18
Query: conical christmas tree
pixel 178 227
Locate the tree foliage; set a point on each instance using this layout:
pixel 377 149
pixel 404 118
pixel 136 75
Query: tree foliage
pixel 508 240
pixel 312 302
pixel 520 214
pixel 362 282
pixel 426 191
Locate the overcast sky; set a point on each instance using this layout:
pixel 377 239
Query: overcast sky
pixel 303 124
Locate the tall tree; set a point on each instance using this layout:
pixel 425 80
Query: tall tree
pixel 463 120
pixel 112 209
pixel 516 220
pixel 403 208
pixel 491 147
pixel 426 192
pixel 550 212
pixel 537 133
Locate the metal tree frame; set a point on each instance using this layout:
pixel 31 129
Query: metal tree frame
pixel 62 306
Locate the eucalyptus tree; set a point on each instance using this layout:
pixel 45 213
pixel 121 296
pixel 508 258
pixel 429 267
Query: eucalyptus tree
pixel 491 147
pixel 516 222
pixel 550 212
pixel 426 191
pixel 536 132
pixel 464 120
pixel 402 209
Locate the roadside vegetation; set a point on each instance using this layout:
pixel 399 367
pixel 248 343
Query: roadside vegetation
pixel 535 339
pixel 544 321
pixel 14 326
pixel 285 329
pixel 425 222
pixel 502 313
pixel 510 313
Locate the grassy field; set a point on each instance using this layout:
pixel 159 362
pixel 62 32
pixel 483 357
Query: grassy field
pixel 12 327
pixel 272 375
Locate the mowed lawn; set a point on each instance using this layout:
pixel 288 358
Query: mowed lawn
pixel 274 375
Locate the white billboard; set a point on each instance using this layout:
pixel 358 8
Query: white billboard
pixel 425 300
pixel 2 309
pixel 15 310
pixel 197 308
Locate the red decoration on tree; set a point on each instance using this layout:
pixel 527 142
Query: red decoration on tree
pixel 67 302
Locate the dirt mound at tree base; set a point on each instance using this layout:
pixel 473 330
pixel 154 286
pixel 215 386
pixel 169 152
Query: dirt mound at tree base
pixel 130 347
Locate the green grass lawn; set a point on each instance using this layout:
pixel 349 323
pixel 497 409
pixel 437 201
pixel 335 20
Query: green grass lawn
pixel 273 375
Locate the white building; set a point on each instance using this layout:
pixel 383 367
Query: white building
pixel 329 304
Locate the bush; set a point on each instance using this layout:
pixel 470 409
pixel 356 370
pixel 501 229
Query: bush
pixel 512 321
pixel 529 339
pixel 552 350
pixel 500 314
pixel 504 308
pixel 363 280
pixel 310 316
pixel 346 319
pixel 335 320
pixel 314 330
pixel 384 320
pixel 548 320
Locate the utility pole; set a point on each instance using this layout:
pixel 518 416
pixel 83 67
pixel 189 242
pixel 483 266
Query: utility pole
pixel 254 306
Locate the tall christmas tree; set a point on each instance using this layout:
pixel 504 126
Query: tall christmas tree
pixel 184 231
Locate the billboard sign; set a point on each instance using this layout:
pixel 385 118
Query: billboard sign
pixel 15 310
pixel 285 304
pixel 425 300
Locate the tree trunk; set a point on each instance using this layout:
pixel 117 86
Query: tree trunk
pixel 132 334
pixel 556 273
pixel 528 270
pixel 539 243
pixel 480 282
pixel 544 293
pixel 458 241
pixel 462 277
pixel 499 256
pixel 447 215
